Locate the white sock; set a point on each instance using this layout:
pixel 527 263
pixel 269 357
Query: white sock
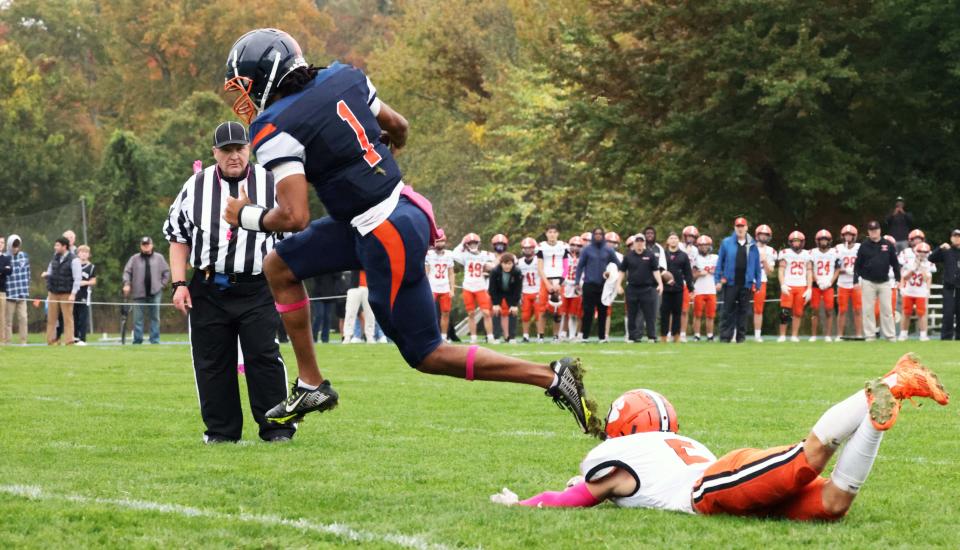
pixel 923 334
pixel 696 335
pixel 473 339
pixel 841 420
pixel 710 335
pixel 304 385
pixel 683 334
pixel 856 458
pixel 443 337
pixel 526 335
pixel 756 333
pixel 556 380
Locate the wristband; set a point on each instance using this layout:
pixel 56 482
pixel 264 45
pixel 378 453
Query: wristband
pixel 251 217
pixel 177 284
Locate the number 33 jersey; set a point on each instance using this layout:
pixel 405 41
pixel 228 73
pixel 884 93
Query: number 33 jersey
pixel 331 128
pixel 665 466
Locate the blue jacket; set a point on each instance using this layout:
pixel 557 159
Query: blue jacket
pixel 593 261
pixel 727 262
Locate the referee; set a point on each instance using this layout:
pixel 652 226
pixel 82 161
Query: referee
pixel 227 298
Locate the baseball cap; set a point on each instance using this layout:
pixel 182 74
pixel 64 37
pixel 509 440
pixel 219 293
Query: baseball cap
pixel 740 221
pixel 146 240
pixel 230 133
pixel 873 224
pixel 955 232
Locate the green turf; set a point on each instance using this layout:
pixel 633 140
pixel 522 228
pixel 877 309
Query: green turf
pixel 100 446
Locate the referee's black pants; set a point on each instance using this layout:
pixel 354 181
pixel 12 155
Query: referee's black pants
pixel 736 309
pixel 245 311
pixel 641 304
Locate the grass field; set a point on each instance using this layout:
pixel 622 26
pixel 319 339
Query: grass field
pixel 101 446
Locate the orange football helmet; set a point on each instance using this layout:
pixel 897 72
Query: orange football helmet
pixel 823 234
pixel 763 229
pixel 587 237
pixel 848 230
pixel 640 411
pixel 471 238
pixel 796 236
pixel 691 230
pixel 612 237
pixel 575 241
pixel 922 247
pixel 528 242
pixel 499 238
pixel 916 234
pixel 704 240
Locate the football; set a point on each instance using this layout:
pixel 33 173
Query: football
pixel 667 277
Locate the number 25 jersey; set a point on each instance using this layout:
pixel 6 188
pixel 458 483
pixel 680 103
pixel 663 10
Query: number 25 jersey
pixel 331 127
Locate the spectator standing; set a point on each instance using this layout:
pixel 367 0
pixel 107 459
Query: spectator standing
pixel 324 288
pixel 737 277
pixel 81 308
pixel 949 255
pixel 63 282
pixel 641 270
pixel 18 290
pixel 592 273
pixel 875 259
pixel 144 278
pixel 6 269
pixel 505 287
pixel 357 297
pixel 671 305
pixel 900 223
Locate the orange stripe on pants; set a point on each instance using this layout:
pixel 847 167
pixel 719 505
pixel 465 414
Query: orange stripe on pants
pixel 392 242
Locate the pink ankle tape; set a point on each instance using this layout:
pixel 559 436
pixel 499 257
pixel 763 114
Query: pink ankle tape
pixel 287 308
pixel 471 355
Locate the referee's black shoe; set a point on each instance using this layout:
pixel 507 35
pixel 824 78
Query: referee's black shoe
pixel 568 393
pixel 302 401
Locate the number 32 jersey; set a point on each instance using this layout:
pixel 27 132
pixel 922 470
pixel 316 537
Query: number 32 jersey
pixel 331 127
pixel 665 465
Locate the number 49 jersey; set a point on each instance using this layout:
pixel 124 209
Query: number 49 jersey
pixel 331 127
pixel 665 465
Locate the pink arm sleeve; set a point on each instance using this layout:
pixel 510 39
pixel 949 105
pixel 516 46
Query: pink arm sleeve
pixel 566 267
pixel 577 496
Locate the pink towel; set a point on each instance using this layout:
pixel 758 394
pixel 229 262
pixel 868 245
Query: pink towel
pixel 423 204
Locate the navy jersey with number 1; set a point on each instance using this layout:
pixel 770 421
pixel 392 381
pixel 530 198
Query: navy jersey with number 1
pixel 331 127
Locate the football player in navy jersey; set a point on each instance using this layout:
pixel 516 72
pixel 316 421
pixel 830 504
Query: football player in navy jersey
pixel 326 127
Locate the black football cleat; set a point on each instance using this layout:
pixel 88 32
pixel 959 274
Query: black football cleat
pixel 302 401
pixel 569 394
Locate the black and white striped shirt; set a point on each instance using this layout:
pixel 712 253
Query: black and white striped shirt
pixel 196 218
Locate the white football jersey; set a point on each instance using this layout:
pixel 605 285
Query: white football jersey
pixel 570 283
pixel 692 252
pixel 768 260
pixel 665 465
pixel 553 256
pixel 795 267
pixel 705 284
pixel 531 275
pixel 848 257
pixel 474 276
pixel 916 287
pixel 609 292
pixel 906 257
pixel 438 267
pixel 824 264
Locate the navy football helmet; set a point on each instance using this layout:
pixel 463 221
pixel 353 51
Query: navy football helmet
pixel 257 64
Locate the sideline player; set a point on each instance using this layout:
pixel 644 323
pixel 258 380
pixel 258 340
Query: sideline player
pixel 476 264
pixel 530 306
pixel 553 256
pixel 768 262
pixel 909 254
pixel 645 463
pixel 572 306
pixel 689 245
pixel 327 127
pixel 915 287
pixel 824 261
pixel 499 243
pixel 439 264
pixel 704 289
pixel 796 282
pixel 848 291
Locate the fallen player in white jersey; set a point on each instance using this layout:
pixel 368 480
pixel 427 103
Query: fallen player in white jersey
pixel 644 463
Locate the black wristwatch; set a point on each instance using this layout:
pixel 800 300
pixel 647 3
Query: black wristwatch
pixel 177 284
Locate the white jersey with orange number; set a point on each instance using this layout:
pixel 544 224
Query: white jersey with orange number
pixel 824 264
pixel 552 256
pixel 847 255
pixel 665 465
pixel 916 285
pixel 438 266
pixel 706 265
pixel 474 276
pixel 795 267
pixel 531 274
pixel 570 283
pixel 768 260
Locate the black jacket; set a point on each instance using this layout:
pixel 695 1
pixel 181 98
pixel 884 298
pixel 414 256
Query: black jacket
pixel 951 265
pixel 678 264
pixel 874 261
pixel 6 268
pixel 514 286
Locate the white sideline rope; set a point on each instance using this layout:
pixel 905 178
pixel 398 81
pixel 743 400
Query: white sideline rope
pixel 133 302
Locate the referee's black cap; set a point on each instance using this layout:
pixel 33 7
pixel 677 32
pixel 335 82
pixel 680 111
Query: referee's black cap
pixel 230 133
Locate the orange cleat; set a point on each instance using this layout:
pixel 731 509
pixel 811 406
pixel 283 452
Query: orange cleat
pixel 911 379
pixel 884 407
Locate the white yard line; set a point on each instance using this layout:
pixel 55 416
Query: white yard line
pixel 340 530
